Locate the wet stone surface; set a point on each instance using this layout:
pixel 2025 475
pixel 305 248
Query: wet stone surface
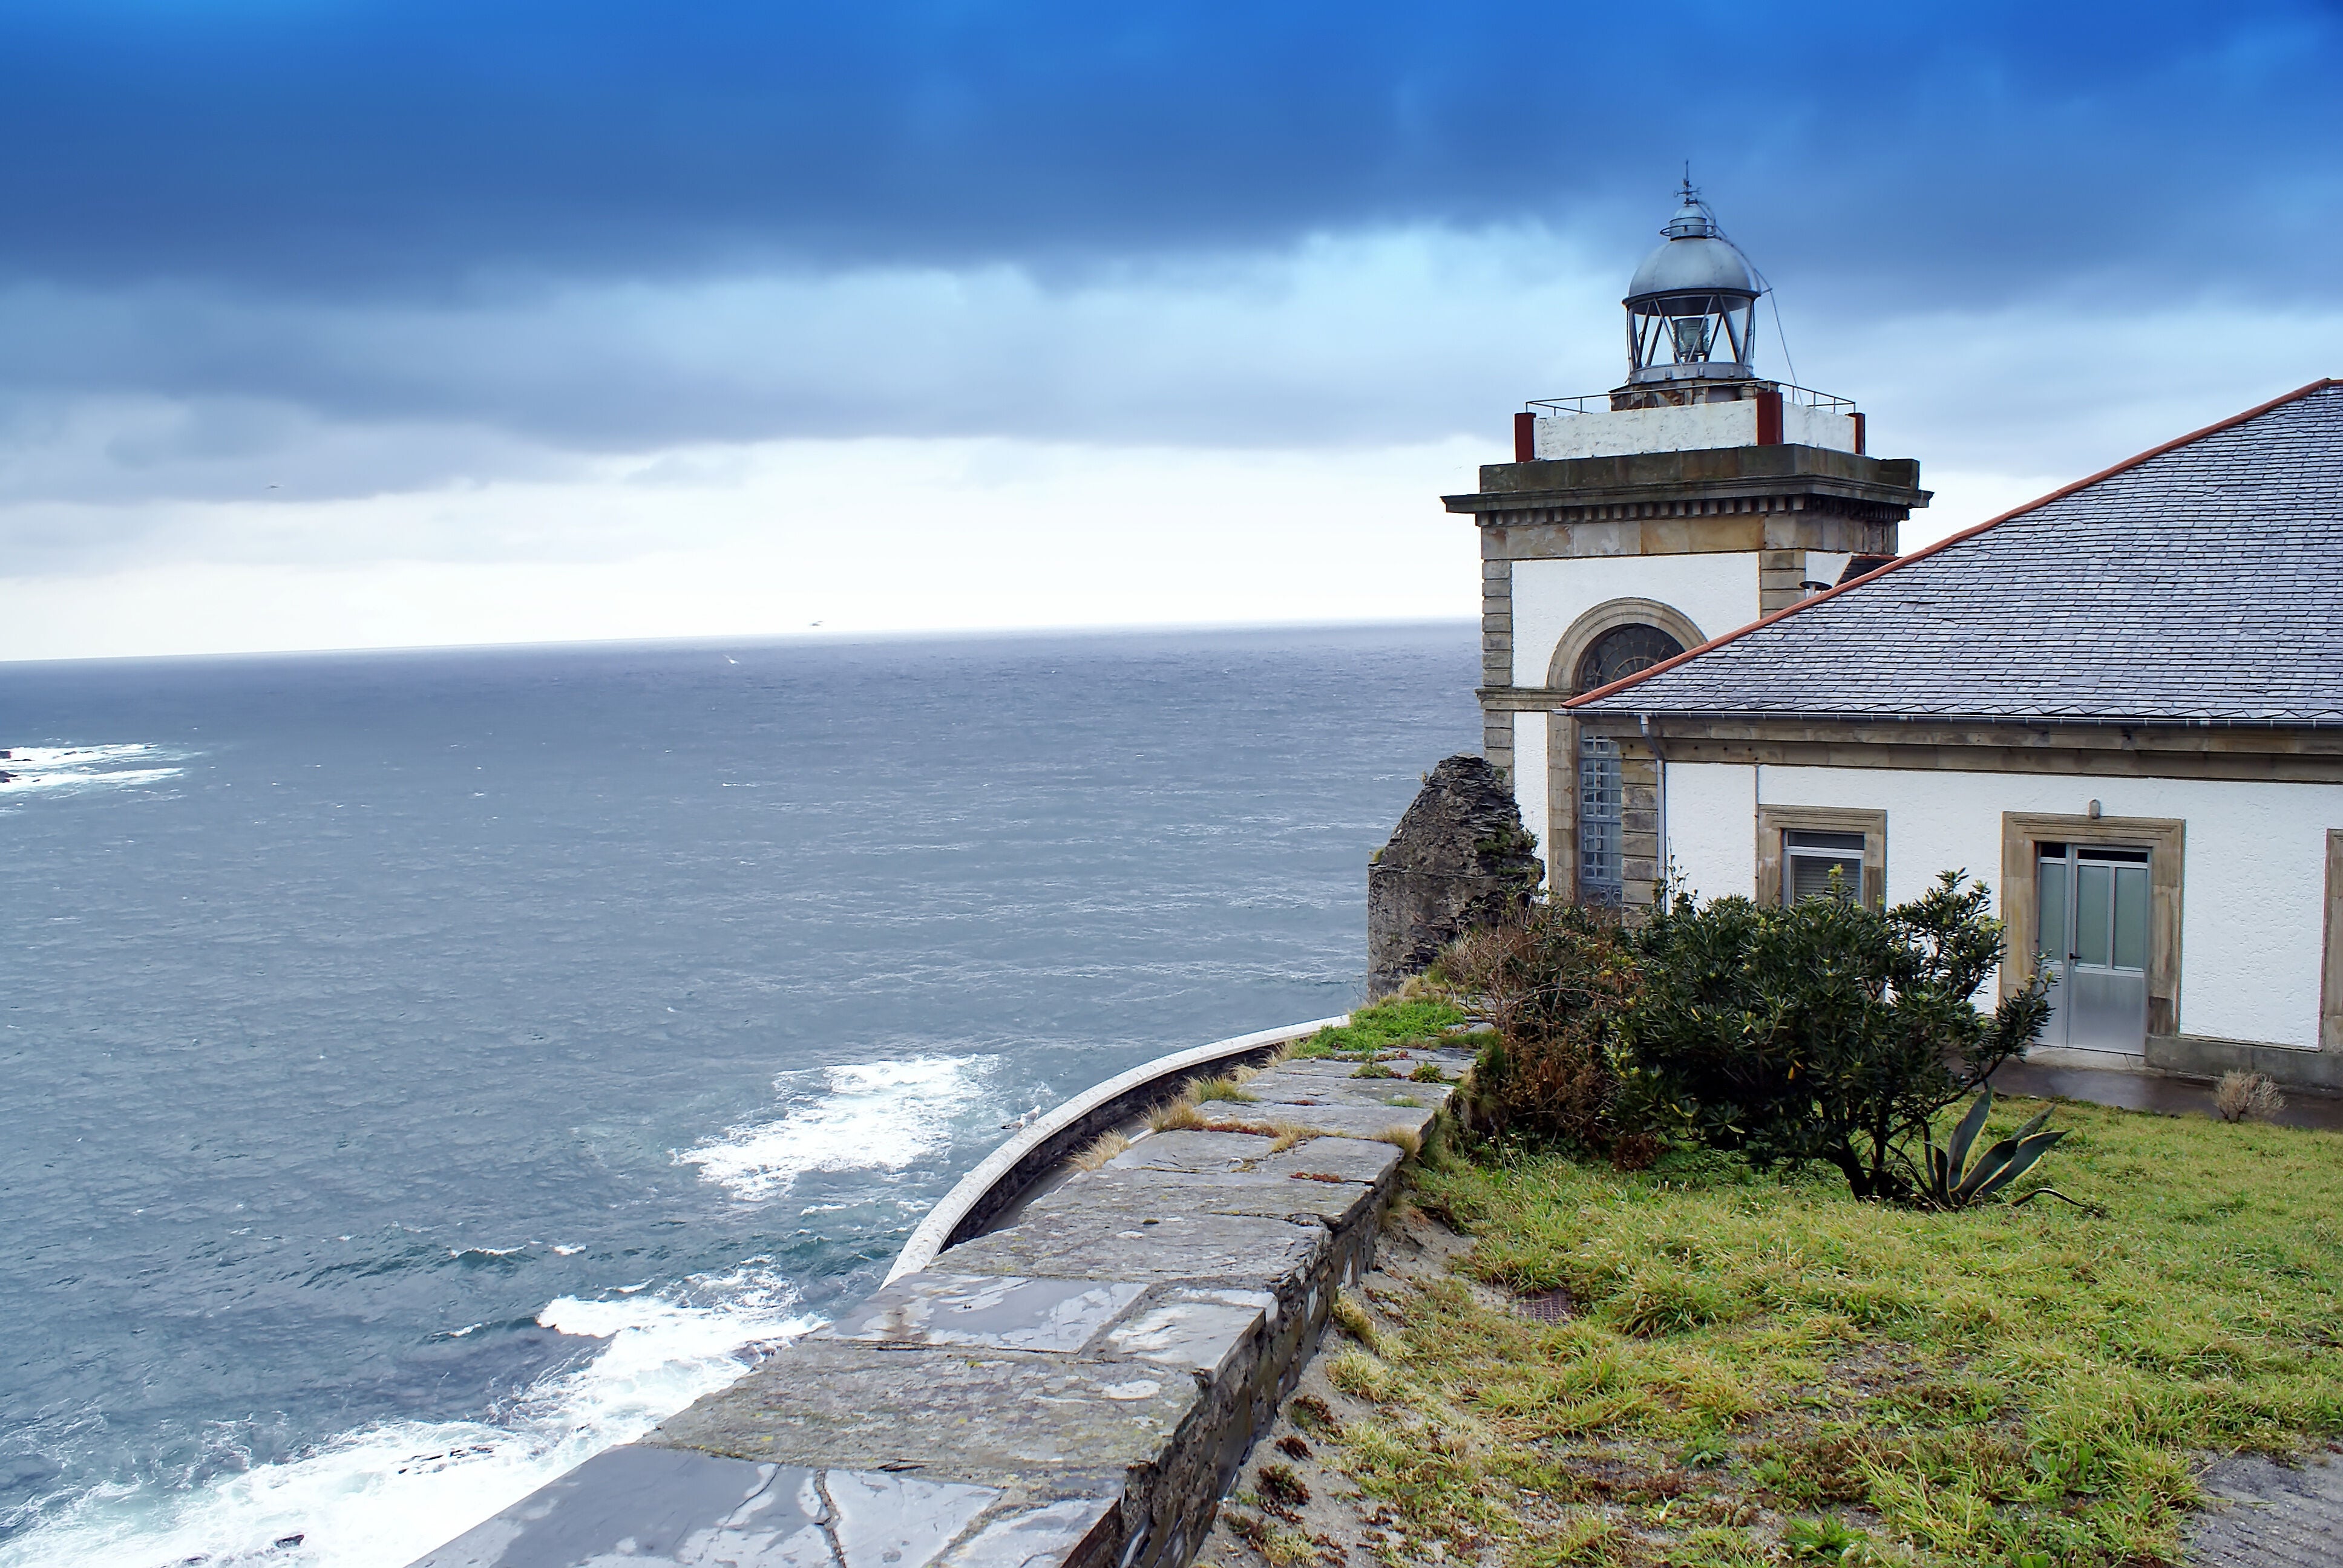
pixel 1202 1331
pixel 652 1505
pixel 1362 1159
pixel 1009 1314
pixel 1347 1118
pixel 984 1414
pixel 1288 1195
pixel 1125 1234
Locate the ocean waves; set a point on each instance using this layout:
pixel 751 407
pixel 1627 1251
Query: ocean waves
pixel 30 769
pixel 381 1496
pixel 875 1116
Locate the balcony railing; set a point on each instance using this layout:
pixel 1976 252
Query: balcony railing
pixel 1600 402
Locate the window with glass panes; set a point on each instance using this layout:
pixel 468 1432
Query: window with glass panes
pixel 1615 655
pixel 1600 875
pixel 1810 859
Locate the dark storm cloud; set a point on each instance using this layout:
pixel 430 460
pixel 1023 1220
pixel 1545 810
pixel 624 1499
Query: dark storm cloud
pixel 346 250
pixel 401 144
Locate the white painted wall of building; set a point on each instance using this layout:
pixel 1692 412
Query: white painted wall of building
pixel 1802 426
pixel 2252 877
pixel 1530 781
pixel 1827 566
pixel 1717 592
pixel 1710 810
pixel 1694 427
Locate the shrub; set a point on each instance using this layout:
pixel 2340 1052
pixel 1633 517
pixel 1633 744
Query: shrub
pixel 1557 984
pixel 1821 1031
pixel 2246 1096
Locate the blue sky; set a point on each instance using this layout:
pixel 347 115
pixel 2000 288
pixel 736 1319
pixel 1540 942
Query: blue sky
pixel 364 322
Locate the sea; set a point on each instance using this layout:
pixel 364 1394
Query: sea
pixel 420 1071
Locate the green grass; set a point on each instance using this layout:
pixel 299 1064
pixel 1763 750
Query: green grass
pixel 1386 1026
pixel 1764 1369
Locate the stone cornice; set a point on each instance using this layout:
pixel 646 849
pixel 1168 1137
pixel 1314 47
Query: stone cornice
pixel 1758 477
pixel 2298 754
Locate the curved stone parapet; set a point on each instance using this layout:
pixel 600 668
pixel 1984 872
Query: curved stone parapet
pixel 1076 1385
pixel 1005 1174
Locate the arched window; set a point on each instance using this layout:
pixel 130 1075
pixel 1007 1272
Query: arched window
pixel 1621 652
pixel 1615 655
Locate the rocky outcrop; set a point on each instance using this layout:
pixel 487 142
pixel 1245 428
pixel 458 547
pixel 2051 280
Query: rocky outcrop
pixel 1459 859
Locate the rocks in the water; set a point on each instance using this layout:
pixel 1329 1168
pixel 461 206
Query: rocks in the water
pixel 1459 859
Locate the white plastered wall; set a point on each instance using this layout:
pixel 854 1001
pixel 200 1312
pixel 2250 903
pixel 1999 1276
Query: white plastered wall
pixel 1529 779
pixel 1717 592
pixel 1802 426
pixel 1711 811
pixel 1688 427
pixel 2252 877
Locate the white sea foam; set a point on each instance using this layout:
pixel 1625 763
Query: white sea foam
pixel 878 1116
pixel 48 767
pixel 384 1495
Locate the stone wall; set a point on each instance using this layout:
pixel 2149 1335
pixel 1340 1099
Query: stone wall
pixel 1073 1389
pixel 1458 858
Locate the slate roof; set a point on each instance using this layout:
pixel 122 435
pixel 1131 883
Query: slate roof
pixel 2200 583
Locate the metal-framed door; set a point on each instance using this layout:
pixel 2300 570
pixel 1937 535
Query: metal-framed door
pixel 2093 902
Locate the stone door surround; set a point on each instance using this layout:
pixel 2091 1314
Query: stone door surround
pixel 2164 838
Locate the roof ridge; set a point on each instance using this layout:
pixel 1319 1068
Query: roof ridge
pixel 2060 494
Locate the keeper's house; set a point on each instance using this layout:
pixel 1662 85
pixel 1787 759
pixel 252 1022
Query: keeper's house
pixel 2121 706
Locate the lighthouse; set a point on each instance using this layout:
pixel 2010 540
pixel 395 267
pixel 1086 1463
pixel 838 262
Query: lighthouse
pixel 1694 498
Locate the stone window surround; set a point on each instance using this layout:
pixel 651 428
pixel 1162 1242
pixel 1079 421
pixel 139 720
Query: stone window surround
pixel 2166 840
pixel 1773 821
pixel 1560 839
pixel 2330 979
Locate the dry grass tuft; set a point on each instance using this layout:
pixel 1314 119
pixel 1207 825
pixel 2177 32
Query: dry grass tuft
pixel 2246 1096
pixel 1285 1135
pixel 1351 1315
pixel 1206 1089
pixel 1107 1147
pixel 1406 1138
pixel 1175 1116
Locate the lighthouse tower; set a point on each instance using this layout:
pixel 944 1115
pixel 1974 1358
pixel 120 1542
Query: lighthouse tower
pixel 1686 502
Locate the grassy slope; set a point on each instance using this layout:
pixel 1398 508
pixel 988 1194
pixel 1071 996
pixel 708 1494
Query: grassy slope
pixel 1758 1366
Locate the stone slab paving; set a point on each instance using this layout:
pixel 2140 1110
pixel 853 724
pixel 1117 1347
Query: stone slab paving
pixel 1075 1389
pixel 2271 1515
pixel 1342 1117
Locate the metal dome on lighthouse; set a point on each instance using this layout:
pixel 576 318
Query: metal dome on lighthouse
pixel 1691 307
pixel 1693 382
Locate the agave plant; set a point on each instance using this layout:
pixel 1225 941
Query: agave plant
pixel 1953 1180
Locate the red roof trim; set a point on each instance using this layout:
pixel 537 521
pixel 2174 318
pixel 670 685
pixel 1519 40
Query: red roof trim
pixel 1950 539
